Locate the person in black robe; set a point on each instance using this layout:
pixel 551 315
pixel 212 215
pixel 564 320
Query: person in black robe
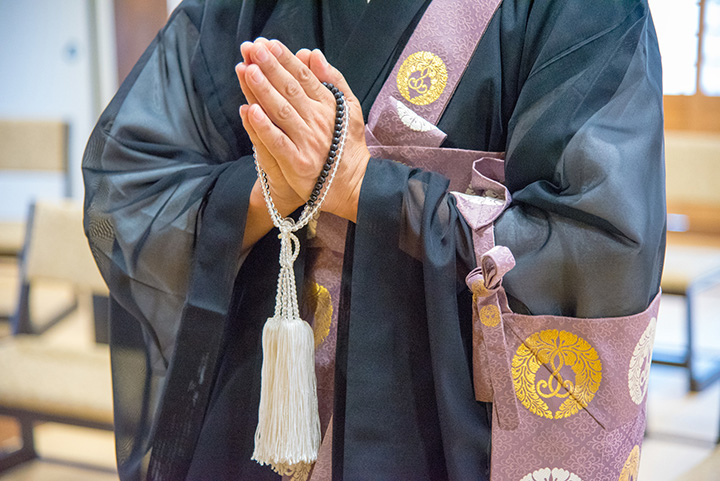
pixel 570 90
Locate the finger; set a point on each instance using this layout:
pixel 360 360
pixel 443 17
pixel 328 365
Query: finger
pixel 268 163
pixel 241 71
pixel 304 56
pixel 283 80
pixel 277 143
pixel 280 111
pixel 264 157
pixel 247 48
pixel 326 72
pixel 299 70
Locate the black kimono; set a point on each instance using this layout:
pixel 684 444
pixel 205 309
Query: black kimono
pixel 569 89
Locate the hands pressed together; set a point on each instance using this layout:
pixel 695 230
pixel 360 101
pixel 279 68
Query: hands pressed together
pixel 290 118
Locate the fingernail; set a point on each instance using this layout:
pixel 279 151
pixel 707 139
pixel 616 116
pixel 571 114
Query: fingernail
pixel 255 74
pixel 322 57
pixel 256 113
pixel 275 48
pixel 244 45
pixel 261 53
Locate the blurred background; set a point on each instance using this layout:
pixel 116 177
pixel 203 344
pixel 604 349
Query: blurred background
pixel 60 64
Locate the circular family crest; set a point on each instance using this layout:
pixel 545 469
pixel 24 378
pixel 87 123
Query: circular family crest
pixel 639 372
pixel 572 377
pixel 554 474
pixel 422 78
pixel 632 466
pixel 490 315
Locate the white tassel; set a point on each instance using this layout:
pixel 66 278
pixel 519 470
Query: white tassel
pixel 288 431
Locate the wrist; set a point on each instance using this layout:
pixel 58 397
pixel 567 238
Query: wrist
pixel 258 204
pixel 348 198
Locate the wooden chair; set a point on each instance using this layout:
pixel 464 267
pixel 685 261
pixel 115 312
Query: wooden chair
pixel 30 151
pixel 56 266
pixel 31 146
pixel 692 261
pixel 41 381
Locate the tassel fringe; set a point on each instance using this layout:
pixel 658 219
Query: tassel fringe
pixel 288 431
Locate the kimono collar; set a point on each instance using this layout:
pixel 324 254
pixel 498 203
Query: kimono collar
pixel 376 40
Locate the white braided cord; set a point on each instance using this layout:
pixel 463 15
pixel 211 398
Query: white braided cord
pixel 286 303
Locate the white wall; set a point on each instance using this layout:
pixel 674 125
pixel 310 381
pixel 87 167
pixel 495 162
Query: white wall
pixel 57 61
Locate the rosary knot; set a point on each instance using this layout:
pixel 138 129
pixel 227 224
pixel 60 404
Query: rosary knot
pixel 289 248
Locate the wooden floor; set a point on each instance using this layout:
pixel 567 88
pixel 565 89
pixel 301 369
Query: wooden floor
pixel 679 445
pixel 69 454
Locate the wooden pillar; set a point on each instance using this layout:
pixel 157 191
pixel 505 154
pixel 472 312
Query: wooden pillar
pixel 136 24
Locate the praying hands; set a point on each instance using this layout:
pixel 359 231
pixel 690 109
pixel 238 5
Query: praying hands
pixel 290 118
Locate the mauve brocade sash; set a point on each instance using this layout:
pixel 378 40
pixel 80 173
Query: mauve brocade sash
pixel 401 128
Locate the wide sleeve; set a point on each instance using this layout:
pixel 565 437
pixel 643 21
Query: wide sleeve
pixel 150 168
pixel 585 163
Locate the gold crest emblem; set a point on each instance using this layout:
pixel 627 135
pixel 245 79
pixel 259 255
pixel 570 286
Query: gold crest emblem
pixel 490 316
pixel 422 78
pixel 632 466
pixel 567 356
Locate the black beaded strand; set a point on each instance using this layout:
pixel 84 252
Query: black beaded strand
pixel 339 118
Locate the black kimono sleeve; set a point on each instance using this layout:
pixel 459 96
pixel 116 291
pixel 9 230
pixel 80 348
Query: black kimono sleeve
pixel 161 168
pixel 151 166
pixel 572 93
pixel 585 162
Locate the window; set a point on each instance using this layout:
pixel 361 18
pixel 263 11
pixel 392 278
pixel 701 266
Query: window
pixel 688 29
pixel 689 37
pixel 677 25
pixel 710 72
